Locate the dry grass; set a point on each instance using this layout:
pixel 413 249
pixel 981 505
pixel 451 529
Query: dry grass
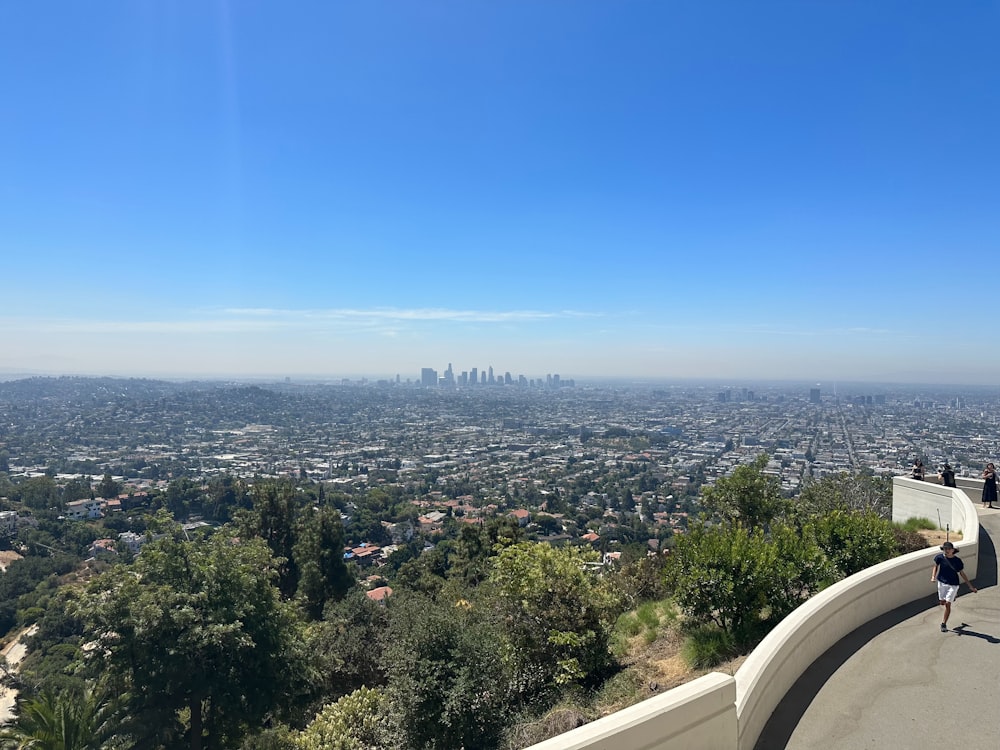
pixel 936 537
pixel 7 557
pixel 659 666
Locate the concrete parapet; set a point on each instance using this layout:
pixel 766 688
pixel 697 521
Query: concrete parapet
pixel 718 712
pixel 700 714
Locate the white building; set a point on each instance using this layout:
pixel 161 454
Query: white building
pixel 78 510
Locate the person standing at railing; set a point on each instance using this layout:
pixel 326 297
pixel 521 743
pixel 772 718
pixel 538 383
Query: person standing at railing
pixel 947 568
pixel 989 485
pixel 947 475
pixel 918 469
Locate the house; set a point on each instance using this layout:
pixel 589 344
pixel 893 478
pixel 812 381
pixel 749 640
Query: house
pixel 366 554
pixel 8 522
pixel 522 516
pixel 399 532
pixel 78 510
pixel 132 540
pixel 431 521
pixel 103 548
pixel 379 594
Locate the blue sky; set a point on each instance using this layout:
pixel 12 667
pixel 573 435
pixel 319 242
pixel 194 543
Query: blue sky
pixel 789 190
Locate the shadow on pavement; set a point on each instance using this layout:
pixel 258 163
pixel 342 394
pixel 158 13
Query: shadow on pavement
pixel 962 630
pixel 786 716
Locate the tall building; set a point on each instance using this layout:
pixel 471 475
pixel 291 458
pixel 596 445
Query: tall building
pixel 491 380
pixel 474 376
pixel 428 376
pixel 814 395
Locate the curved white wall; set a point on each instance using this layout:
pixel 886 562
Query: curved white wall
pixel 698 715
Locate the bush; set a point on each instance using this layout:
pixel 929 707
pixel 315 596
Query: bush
pixel 557 721
pixel 907 541
pixel 355 722
pixel 741 580
pixel 707 646
pixel 916 524
pixel 648 615
pixel 628 625
pixel 854 541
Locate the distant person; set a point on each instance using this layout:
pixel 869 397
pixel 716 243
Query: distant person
pixel 947 568
pixel 947 475
pixel 989 485
pixel 918 470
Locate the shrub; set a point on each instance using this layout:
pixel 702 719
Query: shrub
pixel 648 615
pixel 916 524
pixel 628 625
pixel 907 541
pixel 854 541
pixel 355 722
pixel 707 646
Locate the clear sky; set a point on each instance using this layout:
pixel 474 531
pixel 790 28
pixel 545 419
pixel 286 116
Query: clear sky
pixel 791 190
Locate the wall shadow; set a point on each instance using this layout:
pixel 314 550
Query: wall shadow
pixel 789 712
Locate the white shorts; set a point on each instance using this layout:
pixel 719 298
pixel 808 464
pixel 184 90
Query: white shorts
pixel 947 592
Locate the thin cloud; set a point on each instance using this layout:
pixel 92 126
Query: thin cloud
pixel 387 321
pixel 414 314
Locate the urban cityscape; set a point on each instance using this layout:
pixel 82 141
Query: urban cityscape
pixel 415 471
pixel 442 432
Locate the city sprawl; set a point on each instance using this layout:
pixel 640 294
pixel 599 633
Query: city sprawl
pixel 622 460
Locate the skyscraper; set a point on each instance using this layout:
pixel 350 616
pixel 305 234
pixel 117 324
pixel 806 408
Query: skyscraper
pixel 814 395
pixel 428 376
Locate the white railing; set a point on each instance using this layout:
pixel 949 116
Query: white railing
pixel 721 712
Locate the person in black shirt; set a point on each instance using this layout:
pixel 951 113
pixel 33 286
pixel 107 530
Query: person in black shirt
pixel 947 568
pixel 947 475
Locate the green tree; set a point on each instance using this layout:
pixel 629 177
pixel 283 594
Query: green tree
pixel 39 493
pixel 77 489
pixel 748 495
pixel 347 645
pixel 108 487
pixel 740 579
pixel 556 613
pixel 447 686
pixel 225 494
pixel 273 519
pixel 181 495
pixel 355 722
pixel 318 553
pixel 854 541
pixel 67 721
pixel 847 492
pixel 196 639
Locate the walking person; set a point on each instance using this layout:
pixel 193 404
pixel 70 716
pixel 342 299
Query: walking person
pixel 947 569
pixel 989 485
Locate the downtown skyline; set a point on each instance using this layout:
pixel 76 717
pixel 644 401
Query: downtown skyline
pixel 661 190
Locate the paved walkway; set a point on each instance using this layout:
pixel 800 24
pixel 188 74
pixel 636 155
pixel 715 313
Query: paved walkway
pixel 899 682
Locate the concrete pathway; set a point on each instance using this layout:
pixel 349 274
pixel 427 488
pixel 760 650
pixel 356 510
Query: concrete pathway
pixel 899 682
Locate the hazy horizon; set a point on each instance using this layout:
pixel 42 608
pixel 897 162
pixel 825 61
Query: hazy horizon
pixel 771 191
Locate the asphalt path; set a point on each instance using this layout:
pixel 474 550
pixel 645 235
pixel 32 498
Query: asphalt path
pixel 899 682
